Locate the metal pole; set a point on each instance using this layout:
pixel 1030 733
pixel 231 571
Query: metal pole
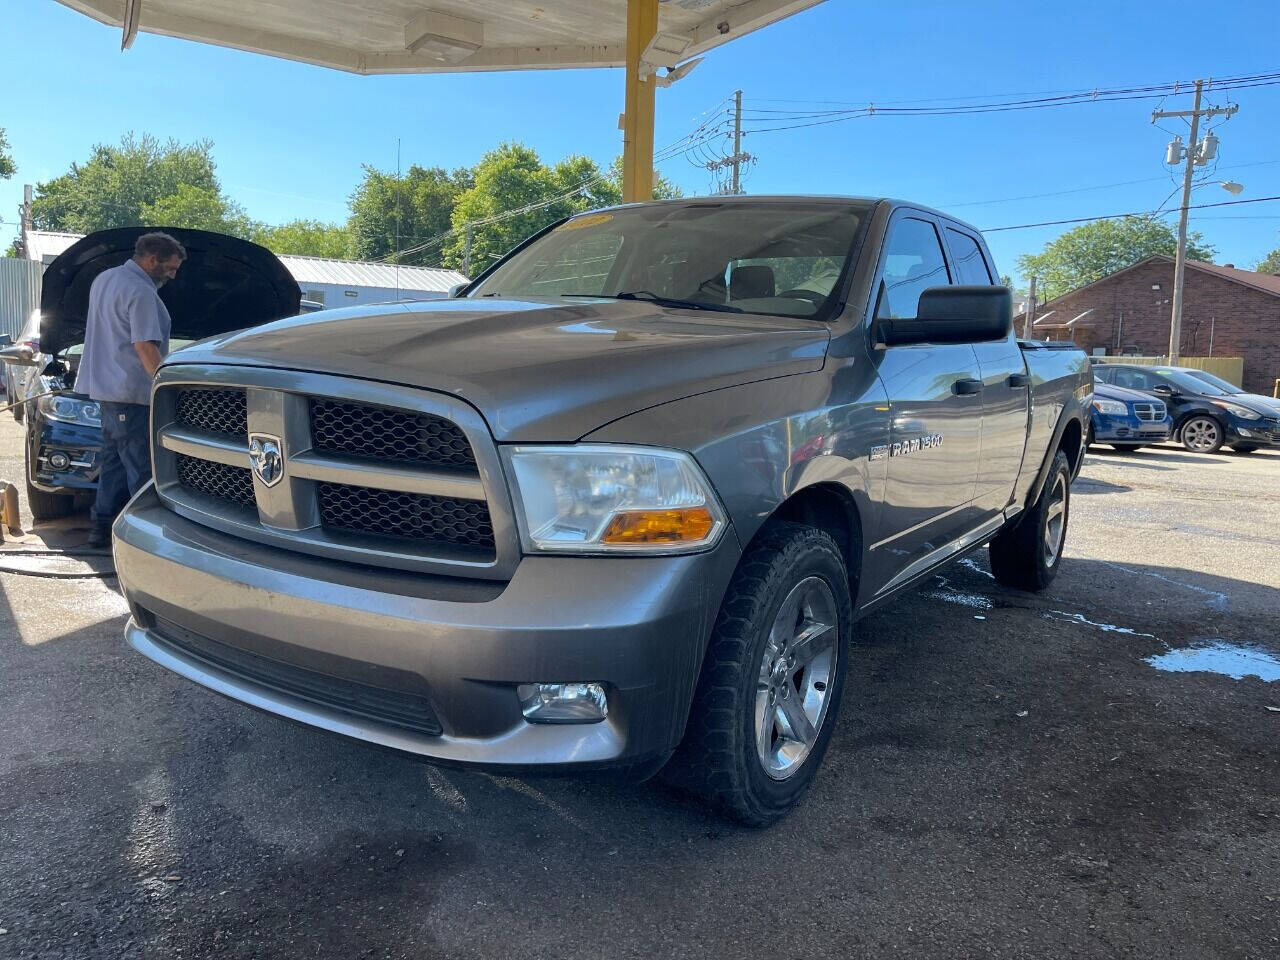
pixel 637 117
pixel 1029 314
pixel 1180 263
pixel 737 142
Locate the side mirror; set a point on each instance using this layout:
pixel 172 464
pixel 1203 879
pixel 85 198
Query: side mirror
pixel 19 355
pixel 457 288
pixel 956 314
pixel 1164 390
pixel 5 340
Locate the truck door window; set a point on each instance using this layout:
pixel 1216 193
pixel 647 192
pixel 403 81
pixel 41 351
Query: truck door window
pixel 967 258
pixel 913 263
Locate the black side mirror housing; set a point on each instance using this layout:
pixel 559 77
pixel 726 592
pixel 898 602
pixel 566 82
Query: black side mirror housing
pixel 1164 390
pixel 954 314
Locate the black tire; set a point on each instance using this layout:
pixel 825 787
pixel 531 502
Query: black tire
pixel 45 506
pixel 1126 447
pixel 1201 433
pixel 1244 447
pixel 1020 557
pixel 720 760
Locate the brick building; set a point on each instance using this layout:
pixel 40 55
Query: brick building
pixel 1225 313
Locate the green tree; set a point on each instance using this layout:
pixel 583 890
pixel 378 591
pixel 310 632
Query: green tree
pixel 7 166
pixel 515 195
pixel 196 208
pixel 663 189
pixel 116 184
pixel 390 212
pixel 1271 262
pixel 305 238
pixel 1094 250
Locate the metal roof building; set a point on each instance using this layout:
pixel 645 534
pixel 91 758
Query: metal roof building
pixel 335 283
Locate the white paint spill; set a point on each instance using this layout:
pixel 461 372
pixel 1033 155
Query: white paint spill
pixel 1218 656
pixel 949 594
pixel 1108 627
pixel 445 791
pixel 972 564
pixel 1213 598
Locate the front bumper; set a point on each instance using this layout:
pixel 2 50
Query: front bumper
pixel 1262 433
pixel 458 648
pixel 1109 428
pixel 81 445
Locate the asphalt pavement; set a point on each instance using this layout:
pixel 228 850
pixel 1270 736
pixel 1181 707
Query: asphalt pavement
pixel 1010 777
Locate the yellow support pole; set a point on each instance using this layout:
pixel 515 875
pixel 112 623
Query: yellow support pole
pixel 637 120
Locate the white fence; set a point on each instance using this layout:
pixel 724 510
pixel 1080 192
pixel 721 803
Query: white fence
pixel 19 292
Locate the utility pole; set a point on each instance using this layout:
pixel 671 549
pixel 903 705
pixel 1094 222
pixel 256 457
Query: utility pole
pixel 737 142
pixel 1029 315
pixel 1196 154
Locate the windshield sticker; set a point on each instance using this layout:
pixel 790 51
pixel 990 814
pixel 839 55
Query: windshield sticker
pixel 592 221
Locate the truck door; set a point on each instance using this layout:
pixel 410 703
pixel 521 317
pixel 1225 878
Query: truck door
pixel 935 402
pixel 1006 389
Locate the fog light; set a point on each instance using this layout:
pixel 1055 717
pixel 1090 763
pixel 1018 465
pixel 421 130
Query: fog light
pixel 1243 432
pixel 59 461
pixel 563 702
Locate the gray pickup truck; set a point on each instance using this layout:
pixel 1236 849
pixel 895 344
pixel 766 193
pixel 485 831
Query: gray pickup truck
pixel 620 503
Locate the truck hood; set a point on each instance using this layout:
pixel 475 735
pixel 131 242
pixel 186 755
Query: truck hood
pixel 538 370
pixel 224 284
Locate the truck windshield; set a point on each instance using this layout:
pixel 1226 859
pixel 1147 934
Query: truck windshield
pixel 777 258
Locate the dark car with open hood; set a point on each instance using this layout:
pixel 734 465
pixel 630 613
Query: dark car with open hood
pixel 225 284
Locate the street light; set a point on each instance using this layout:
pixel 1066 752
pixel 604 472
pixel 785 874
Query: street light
pixel 1232 187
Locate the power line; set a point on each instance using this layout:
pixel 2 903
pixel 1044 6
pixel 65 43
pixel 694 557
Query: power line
pixel 1132 213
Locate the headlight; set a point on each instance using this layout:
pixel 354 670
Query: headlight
pixel 1112 408
pixel 71 410
pixel 1244 413
pixel 613 499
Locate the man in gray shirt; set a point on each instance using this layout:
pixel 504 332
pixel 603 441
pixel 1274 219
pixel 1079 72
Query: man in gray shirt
pixel 126 338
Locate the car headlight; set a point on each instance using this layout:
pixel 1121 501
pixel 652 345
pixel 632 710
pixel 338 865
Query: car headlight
pixel 601 498
pixel 1112 408
pixel 71 410
pixel 1244 413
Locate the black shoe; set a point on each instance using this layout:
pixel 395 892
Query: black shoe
pixel 99 536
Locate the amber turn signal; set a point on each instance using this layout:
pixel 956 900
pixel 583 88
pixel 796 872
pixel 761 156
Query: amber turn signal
pixel 688 525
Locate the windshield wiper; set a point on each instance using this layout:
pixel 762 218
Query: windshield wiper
pixel 650 297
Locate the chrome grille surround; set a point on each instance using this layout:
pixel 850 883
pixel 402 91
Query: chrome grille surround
pixel 471 532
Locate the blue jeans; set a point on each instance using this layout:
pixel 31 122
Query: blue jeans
pixel 126 458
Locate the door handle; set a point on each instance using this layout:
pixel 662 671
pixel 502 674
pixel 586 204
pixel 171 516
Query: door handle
pixel 1019 379
pixel 967 387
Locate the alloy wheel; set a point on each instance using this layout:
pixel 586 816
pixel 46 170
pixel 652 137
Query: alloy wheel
pixel 797 671
pixel 1201 434
pixel 1055 520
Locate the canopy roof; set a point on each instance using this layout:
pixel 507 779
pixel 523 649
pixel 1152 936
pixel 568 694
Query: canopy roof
pixel 442 36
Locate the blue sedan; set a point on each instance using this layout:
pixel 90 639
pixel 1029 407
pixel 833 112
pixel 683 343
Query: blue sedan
pixel 1127 419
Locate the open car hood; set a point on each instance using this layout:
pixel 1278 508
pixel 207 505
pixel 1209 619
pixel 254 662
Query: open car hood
pixel 225 284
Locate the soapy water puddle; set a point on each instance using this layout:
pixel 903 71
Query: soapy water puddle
pixel 1218 656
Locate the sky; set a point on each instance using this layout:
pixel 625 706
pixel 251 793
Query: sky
pixel 290 139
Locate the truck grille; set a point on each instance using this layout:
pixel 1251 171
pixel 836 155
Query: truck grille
pixel 232 484
pixel 397 708
pixel 371 432
pixel 375 474
pixel 221 411
pixel 390 513
pixel 1153 411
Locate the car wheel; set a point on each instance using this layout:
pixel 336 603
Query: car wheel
pixel 1202 435
pixel 1244 447
pixel 771 682
pixel 44 506
pixel 1027 554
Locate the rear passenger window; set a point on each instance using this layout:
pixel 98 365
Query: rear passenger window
pixel 913 263
pixel 967 258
